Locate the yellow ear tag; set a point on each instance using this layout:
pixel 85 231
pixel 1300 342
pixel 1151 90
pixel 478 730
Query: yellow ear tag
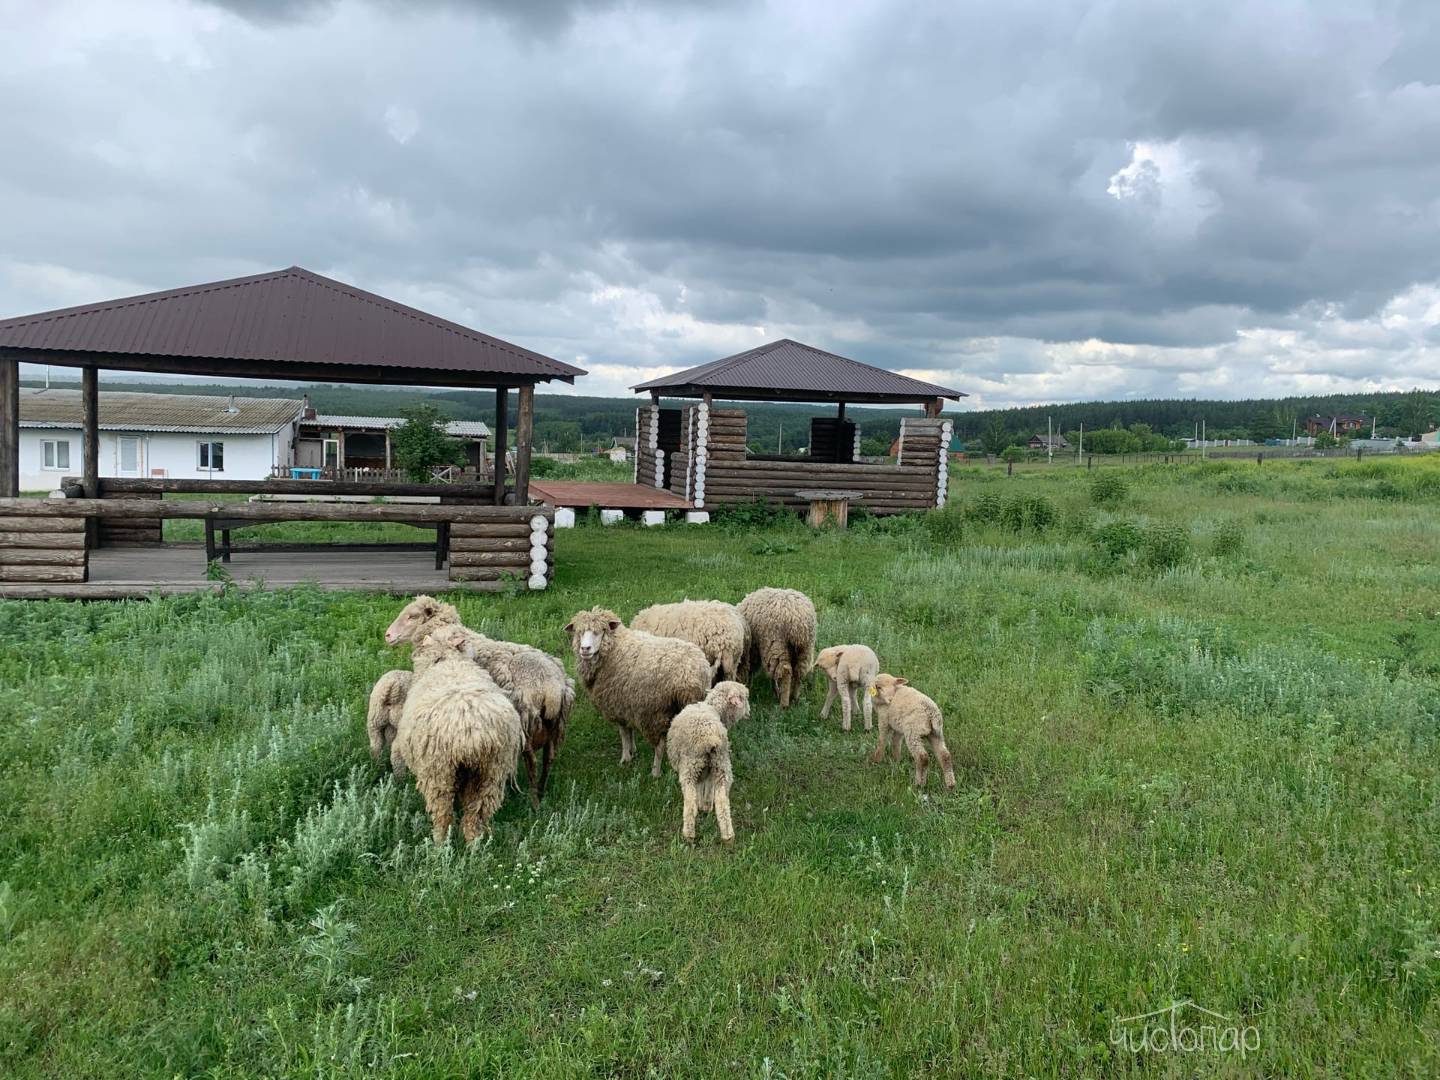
pixel 874 692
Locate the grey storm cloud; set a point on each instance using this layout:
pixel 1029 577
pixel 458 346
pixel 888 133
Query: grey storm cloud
pixel 937 187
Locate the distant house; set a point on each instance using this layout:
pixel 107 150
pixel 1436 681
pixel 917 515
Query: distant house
pixel 1048 442
pixel 1341 424
pixel 168 436
pixel 328 441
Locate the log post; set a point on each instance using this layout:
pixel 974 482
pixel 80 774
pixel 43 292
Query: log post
pixel 502 423
pixel 90 472
pixel 524 436
pixel 9 428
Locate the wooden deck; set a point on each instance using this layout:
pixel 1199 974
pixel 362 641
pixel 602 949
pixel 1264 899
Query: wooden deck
pixel 581 496
pixel 120 572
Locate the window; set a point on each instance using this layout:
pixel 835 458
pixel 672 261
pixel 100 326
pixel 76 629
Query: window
pixel 331 457
pixel 55 453
pixel 212 456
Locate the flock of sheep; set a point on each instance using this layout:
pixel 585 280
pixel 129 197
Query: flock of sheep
pixel 472 708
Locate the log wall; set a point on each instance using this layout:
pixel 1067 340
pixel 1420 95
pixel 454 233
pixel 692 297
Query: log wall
pixel 36 549
pixel 519 544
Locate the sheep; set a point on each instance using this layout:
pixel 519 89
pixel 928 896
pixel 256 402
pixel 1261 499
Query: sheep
pixel 851 669
pixel 460 735
pixel 636 680
pixel 905 713
pixel 387 701
pixel 782 637
pixel 699 750
pixel 535 681
pixel 716 627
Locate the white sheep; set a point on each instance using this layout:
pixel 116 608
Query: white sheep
pixel 718 628
pixel 636 680
pixel 905 713
pixel 782 637
pixel 699 750
pixel 534 680
pixel 387 701
pixel 851 670
pixel 460 735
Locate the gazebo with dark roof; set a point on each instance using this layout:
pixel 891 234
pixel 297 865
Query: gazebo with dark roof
pixel 289 324
pixel 702 452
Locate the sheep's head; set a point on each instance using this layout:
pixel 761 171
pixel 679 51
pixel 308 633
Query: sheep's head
pixel 590 632
pixel 731 700
pixel 885 686
pixel 420 613
pixel 829 659
pixel 443 643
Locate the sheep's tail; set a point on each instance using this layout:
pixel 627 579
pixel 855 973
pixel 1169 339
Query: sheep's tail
pixel 712 756
pixel 802 660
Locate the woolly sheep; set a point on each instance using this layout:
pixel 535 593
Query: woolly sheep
pixel 636 680
pixel 387 701
pixel 905 713
pixel 535 681
pixel 716 627
pixel 782 636
pixel 699 750
pixel 460 735
pixel 851 670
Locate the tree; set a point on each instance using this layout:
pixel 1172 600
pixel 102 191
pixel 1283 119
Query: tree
pixel 994 439
pixel 1416 413
pixel 1266 425
pixel 1326 441
pixel 420 443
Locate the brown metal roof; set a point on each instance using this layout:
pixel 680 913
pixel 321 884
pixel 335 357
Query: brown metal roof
pixel 263 324
pixel 57 407
pixel 787 370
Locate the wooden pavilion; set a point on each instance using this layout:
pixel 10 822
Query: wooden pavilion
pixel 702 453
pixel 292 325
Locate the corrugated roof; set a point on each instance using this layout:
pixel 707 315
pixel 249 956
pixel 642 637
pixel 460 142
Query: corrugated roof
pixel 790 369
pixel 125 411
pixel 460 428
pixel 287 316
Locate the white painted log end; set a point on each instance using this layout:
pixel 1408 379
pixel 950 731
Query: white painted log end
pixel 564 518
pixel 538 582
pixel 653 517
pixel 539 522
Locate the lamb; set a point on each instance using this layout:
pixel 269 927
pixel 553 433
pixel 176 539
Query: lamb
pixel 905 712
pixel 782 637
pixel 387 701
pixel 535 681
pixel 459 734
pixel 716 627
pixel 851 669
pixel 636 680
pixel 699 751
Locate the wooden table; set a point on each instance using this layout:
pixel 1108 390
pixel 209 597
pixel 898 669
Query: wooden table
pixel 828 504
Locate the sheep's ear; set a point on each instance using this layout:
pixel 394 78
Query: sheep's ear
pixel 614 624
pixel 902 682
pixel 569 628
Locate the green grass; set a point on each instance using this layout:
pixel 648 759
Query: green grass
pixel 1207 776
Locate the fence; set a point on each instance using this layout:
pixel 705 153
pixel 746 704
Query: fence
pixel 1255 454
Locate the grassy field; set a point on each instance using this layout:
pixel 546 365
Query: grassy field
pixel 1194 713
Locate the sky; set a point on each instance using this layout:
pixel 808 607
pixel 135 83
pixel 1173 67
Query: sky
pixel 1031 202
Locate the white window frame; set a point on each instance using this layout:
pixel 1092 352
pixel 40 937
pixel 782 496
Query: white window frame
pixel 201 456
pixel 53 446
pixel 325 445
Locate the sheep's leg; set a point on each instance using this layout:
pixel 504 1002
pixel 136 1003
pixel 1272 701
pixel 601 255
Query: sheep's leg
pixel 920 757
pixel 659 757
pixel 782 684
pixel 530 771
pixel 845 706
pixel 879 755
pixel 714 670
pixel 544 771
pixel 829 697
pixel 942 755
pixel 895 740
pixel 488 794
pixel 627 746
pixel 722 812
pixel 687 823
pixel 867 704
pixel 440 803
pixel 397 763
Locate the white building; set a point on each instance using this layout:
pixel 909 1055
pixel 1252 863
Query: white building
pixel 169 436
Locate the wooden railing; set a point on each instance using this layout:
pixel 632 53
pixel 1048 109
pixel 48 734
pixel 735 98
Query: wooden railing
pixel 439 474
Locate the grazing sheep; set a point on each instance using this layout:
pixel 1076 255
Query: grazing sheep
pixel 782 636
pixel 718 629
pixel 536 684
pixel 906 713
pixel 387 701
pixel 535 681
pixel 699 750
pixel 636 680
pixel 851 670
pixel 460 735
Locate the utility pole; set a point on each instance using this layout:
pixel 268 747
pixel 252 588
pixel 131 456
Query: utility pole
pixel 1049 441
pixel 780 439
pixel 1080 450
pixel 1202 439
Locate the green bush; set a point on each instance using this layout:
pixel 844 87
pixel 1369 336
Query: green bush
pixel 1034 513
pixel 987 508
pixel 544 466
pixel 1118 538
pixel 945 527
pixel 1166 545
pixel 1229 538
pixel 1108 489
pixel 760 513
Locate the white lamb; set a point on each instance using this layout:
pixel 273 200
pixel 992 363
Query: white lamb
pixel 460 735
pixel 851 670
pixel 718 628
pixel 905 713
pixel 636 680
pixel 699 750
pixel 387 701
pixel 782 636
